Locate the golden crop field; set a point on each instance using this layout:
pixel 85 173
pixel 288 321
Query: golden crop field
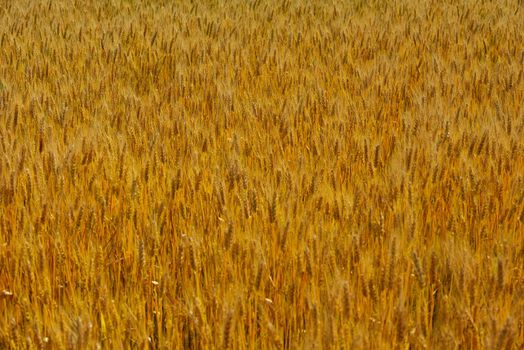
pixel 261 174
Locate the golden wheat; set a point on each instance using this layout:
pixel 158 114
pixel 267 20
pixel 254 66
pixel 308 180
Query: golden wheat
pixel 261 174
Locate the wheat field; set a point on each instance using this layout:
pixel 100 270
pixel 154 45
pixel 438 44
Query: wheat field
pixel 261 174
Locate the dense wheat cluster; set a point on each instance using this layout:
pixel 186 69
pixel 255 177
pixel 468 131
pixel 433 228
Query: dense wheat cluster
pixel 261 174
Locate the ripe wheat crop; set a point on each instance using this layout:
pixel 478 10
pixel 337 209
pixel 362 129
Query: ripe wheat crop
pixel 261 174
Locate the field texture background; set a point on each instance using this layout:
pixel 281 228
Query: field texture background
pixel 261 174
